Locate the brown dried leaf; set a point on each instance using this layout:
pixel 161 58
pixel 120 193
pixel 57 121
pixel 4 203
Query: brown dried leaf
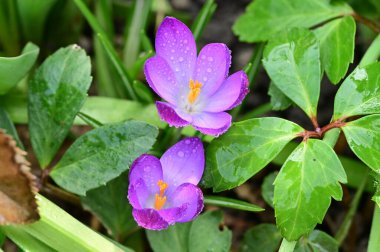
pixel 17 184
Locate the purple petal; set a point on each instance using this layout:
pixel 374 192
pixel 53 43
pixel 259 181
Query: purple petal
pixel 183 163
pixel 168 113
pixel 190 196
pixel 212 66
pixel 161 79
pixel 230 94
pixel 171 215
pixel 138 194
pixel 148 168
pixel 213 124
pixel 175 43
pixel 149 219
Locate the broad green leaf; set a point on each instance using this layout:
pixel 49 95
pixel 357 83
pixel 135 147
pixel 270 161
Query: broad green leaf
pixel 360 93
pixel 13 69
pixel 203 234
pixel 309 177
pixel 337 43
pixel 109 203
pixel 245 149
pixel 56 93
pixel 363 137
pixel 232 203
pixel 317 241
pixel 264 19
pixel 267 188
pixel 263 238
pixel 278 100
pixel 102 154
pixel 292 62
pixel 7 124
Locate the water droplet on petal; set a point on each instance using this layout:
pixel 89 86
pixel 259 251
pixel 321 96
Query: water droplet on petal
pixel 209 70
pixel 203 57
pixel 185 41
pixel 172 50
pixel 177 69
pixel 187 141
pixel 204 78
pixel 210 59
pixel 180 59
pixel 180 154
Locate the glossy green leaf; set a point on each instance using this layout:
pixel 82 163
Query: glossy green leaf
pixel 203 234
pixel 102 154
pixel 278 100
pixel 292 62
pixel 267 188
pixel 232 203
pixel 56 93
pixel 245 149
pixel 110 204
pixel 310 177
pixel 13 69
pixel 7 124
pixel 337 43
pixel 265 19
pixel 263 238
pixel 363 137
pixel 360 93
pixel 317 241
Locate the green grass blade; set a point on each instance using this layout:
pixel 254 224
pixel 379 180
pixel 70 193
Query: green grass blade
pixel 232 203
pixel 203 18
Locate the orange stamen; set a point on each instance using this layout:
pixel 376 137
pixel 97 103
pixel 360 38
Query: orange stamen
pixel 195 89
pixel 160 199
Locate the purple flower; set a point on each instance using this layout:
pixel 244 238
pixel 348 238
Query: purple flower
pixel 163 191
pixel 196 89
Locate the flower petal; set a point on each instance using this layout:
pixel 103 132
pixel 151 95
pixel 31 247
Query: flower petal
pixel 138 194
pixel 161 79
pixel 213 124
pixel 148 168
pixel 190 196
pixel 149 219
pixel 212 66
pixel 183 163
pixel 170 115
pixel 230 94
pixel 171 215
pixel 175 43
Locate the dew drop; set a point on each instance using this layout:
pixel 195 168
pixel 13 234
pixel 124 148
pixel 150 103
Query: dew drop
pixel 185 41
pixel 187 48
pixel 172 50
pixel 204 78
pixel 180 59
pixel 187 141
pixel 180 154
pixel 210 59
pixel 172 58
pixel 209 70
pixel 177 69
pixel 194 150
pixel 203 57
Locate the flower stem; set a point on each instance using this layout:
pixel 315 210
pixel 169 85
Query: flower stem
pixel 374 238
pixel 287 246
pixel 368 22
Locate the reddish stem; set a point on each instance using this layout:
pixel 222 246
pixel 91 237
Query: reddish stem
pixel 319 132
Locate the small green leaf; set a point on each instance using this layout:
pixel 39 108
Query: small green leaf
pixel 13 69
pixel 56 94
pixel 292 62
pixel 102 154
pixel 232 203
pixel 363 137
pixel 245 149
pixel 317 241
pixel 360 93
pixel 267 188
pixel 310 177
pixel 264 19
pixel 337 43
pixel 263 238
pixel 278 100
pixel 202 234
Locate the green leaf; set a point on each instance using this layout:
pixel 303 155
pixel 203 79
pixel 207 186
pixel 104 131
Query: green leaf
pixel 317 241
pixel 56 94
pixel 203 234
pixel 267 188
pixel 310 177
pixel 278 100
pixel 13 69
pixel 232 203
pixel 245 149
pixel 264 19
pixel 203 18
pixel 102 154
pixel 292 62
pixel 263 238
pixel 337 43
pixel 363 137
pixel 360 93
pixel 109 203
pixel 7 124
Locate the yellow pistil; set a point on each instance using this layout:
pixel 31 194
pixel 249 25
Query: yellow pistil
pixel 160 199
pixel 195 89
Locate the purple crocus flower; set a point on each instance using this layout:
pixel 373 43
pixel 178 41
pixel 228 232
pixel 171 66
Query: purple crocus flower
pixel 164 191
pixel 196 89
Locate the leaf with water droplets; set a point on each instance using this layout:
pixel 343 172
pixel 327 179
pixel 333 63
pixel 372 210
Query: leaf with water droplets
pixel 102 154
pixel 317 241
pixel 304 187
pixel 363 137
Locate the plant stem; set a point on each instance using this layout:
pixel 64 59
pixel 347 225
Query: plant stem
pixel 374 238
pixel 287 246
pixel 368 22
pixel 346 224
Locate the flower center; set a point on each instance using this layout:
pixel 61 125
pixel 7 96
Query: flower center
pixel 160 199
pixel 195 89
